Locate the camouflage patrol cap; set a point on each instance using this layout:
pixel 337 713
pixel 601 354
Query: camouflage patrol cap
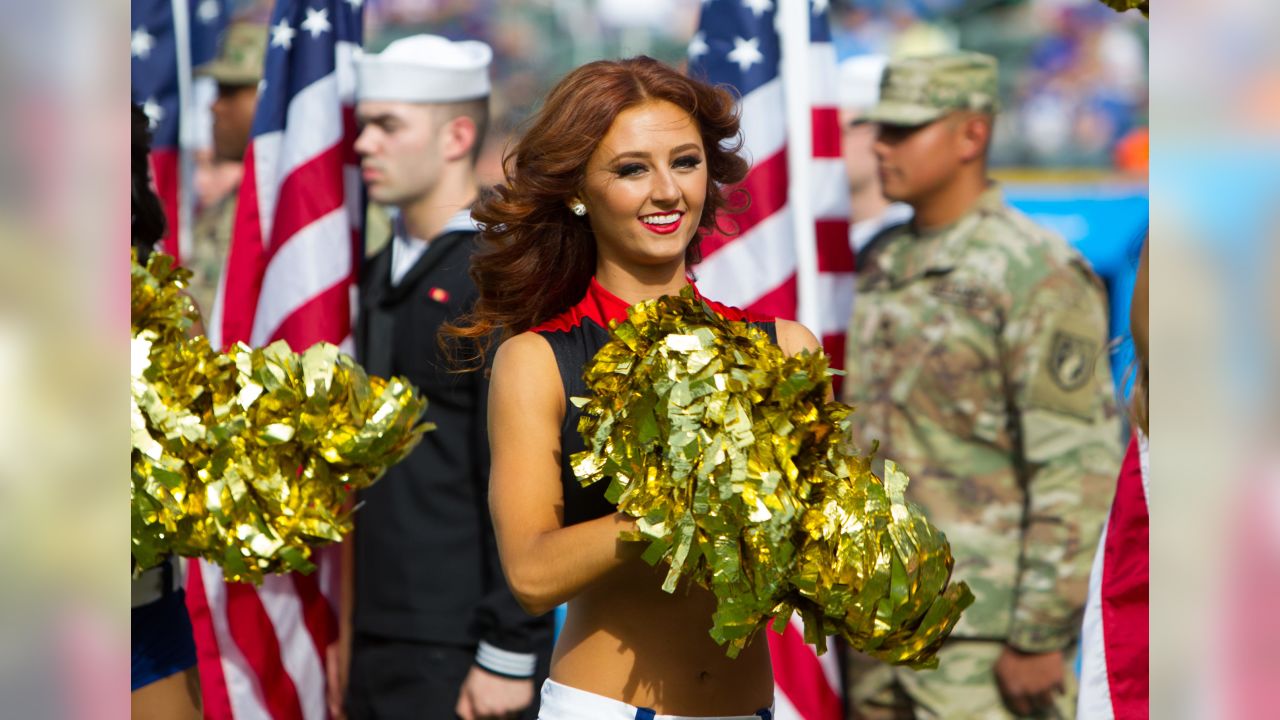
pixel 240 55
pixel 918 90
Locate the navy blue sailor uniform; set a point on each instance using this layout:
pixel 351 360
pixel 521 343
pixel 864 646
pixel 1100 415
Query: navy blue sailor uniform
pixel 575 336
pixel 430 595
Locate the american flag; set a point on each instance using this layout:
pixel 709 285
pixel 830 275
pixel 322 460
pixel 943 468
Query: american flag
pixel 1115 638
pixel 167 39
pixel 762 268
pixel 290 273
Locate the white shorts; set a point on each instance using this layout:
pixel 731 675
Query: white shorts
pixel 561 702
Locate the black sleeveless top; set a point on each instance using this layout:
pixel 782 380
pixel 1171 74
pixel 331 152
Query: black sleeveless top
pixel 576 335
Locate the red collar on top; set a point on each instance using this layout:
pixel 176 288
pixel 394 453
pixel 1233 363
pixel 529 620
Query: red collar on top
pixel 602 306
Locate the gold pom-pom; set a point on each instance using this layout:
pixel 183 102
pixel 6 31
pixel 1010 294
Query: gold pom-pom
pixel 246 458
pixel 870 567
pixel 734 463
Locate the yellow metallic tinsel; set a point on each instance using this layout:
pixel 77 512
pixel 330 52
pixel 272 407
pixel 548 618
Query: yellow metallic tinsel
pixel 737 469
pixel 245 458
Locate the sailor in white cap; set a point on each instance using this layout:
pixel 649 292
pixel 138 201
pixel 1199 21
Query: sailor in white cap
pixel 433 630
pixel 423 104
pixel 871 213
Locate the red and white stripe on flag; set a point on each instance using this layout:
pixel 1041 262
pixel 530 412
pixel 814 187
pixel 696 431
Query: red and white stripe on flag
pixel 830 202
pixel 290 275
pixel 165 175
pixel 806 685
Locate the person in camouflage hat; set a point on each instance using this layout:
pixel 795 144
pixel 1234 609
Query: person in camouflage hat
pixel 977 357
pixel 915 91
pixel 237 69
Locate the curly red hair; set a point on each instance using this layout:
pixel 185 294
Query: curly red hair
pixel 536 257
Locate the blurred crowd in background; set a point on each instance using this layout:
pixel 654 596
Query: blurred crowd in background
pixel 1074 79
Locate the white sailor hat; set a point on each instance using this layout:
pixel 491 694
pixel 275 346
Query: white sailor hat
pixel 425 69
pixel 859 79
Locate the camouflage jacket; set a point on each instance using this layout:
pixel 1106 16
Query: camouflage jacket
pixel 977 358
pixel 210 241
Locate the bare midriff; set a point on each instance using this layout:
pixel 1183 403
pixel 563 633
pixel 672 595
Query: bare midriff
pixel 626 639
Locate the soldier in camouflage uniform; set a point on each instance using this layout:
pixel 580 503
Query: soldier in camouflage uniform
pixel 977 359
pixel 237 70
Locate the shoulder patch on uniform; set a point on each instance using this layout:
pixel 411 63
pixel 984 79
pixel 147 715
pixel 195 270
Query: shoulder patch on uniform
pixel 1071 360
pixel 1066 380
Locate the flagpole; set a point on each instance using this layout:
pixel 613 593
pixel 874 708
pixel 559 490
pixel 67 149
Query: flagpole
pixel 186 128
pixel 793 32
